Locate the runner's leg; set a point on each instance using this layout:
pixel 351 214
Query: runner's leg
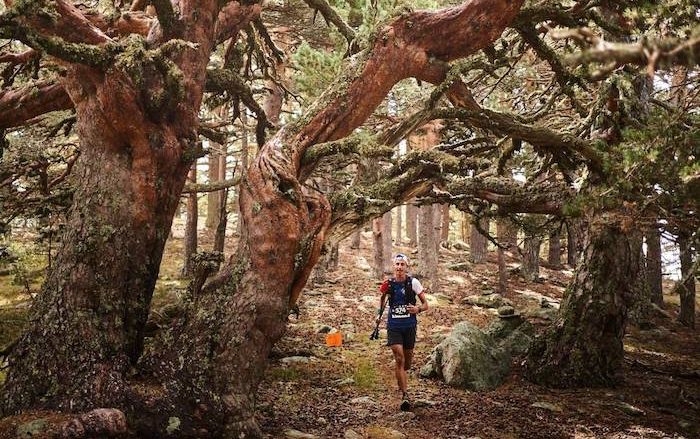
pixel 398 352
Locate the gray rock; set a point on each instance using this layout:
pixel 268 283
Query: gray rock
pixel 468 358
pixel 403 416
pixel 364 400
pixel 295 359
pixel 630 409
pixel 486 300
pixel 344 382
pixel 352 434
pixel 479 360
pixel 424 403
pixel 506 311
pixel 324 329
pixel 296 434
pixel 462 266
pixel 442 297
pixel 312 293
pixel 547 406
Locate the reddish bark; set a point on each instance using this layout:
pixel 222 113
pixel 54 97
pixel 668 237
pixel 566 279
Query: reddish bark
pixel 17 106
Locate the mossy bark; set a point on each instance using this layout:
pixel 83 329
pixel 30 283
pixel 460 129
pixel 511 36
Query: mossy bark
pixel 584 345
pixel 88 321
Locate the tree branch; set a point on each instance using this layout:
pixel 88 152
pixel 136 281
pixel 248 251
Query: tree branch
pixel 654 54
pixel 225 80
pixel 501 123
pixel 17 106
pixel 210 187
pixel 331 16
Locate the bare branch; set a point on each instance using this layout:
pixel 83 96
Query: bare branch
pixel 653 54
pixel 210 187
pixel 331 16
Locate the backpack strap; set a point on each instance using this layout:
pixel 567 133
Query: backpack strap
pixel 410 294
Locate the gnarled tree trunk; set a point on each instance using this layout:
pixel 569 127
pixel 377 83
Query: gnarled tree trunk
pixel 584 345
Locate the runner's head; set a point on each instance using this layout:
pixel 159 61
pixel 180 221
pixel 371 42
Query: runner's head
pixel 401 263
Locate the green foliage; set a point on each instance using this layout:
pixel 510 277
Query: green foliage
pixel 315 69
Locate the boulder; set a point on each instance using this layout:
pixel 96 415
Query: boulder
pixel 479 360
pixel 468 358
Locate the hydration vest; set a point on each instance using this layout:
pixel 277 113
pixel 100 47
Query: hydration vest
pixel 408 290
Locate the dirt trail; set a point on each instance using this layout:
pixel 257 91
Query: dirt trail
pixel 350 391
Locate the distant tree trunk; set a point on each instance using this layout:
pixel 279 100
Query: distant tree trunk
pixel 437 224
pixel 378 247
pixel 478 242
pixel 355 239
pixel 399 225
pixel 190 244
pixel 653 265
pixel 387 243
pixel 220 235
pixel 572 243
pixel 426 246
pixel 245 151
pixel 530 267
pixel 554 256
pixel 464 226
pixel 412 224
pixel 584 346
pixel 445 228
pixel 328 262
pixel 686 286
pixel 504 238
pixel 640 303
pixel 213 198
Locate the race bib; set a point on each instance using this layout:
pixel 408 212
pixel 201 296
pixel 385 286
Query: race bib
pixel 399 312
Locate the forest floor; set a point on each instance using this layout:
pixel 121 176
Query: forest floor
pixel 311 390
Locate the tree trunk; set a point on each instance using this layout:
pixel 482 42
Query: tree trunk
pixel 427 236
pixel 201 375
pixel 378 247
pixel 220 235
pixel 445 228
pixel 478 242
pixel 412 224
pixel 356 238
pixel 213 198
pixel 190 241
pixel 387 249
pixel 504 238
pixel 530 267
pixel 245 152
pixel 88 322
pixel 572 243
pixel 653 265
pixel 584 346
pixel 686 286
pixel 437 224
pixel 640 308
pixel 554 255
pixel 399 225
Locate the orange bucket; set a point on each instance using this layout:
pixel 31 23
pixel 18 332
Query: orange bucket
pixel 334 339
